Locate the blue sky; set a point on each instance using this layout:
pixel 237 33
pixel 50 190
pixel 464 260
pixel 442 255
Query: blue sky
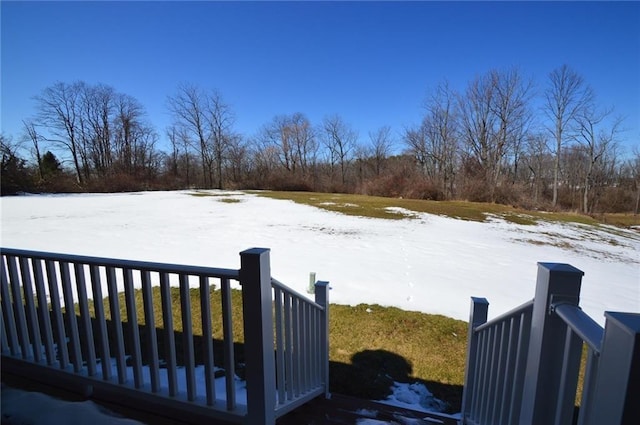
pixel 370 62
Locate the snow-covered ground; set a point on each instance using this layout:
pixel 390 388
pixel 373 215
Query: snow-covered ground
pixel 32 408
pixel 426 263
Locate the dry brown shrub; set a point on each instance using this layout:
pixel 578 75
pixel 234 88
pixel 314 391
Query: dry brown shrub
pixel 424 189
pixel 475 191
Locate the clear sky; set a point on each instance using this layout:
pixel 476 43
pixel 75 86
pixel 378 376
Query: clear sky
pixel 370 62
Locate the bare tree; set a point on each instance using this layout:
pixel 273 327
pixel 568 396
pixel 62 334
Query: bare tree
pixel 494 112
pixel 292 139
pixel 511 107
pixel 58 110
pixel 340 140
pixel 266 157
pixel 565 97
pixel 416 140
pixel 381 146
pixel 574 162
pixel 220 121
pixel 96 112
pixel 32 134
pixel 634 166
pixel 128 114
pixel 478 129
pixel 597 140
pixel 441 131
pixel 188 109
pixel 174 157
pixel 207 123
pixel 536 160
pixel 238 159
pixel 275 141
pixel 133 137
pixel 363 154
pixel 180 162
pixel 104 131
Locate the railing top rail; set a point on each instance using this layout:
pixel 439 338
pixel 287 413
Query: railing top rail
pixel 582 324
pixel 126 264
pixel 281 286
pixel 508 315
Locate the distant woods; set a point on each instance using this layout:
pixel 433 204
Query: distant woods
pixel 501 139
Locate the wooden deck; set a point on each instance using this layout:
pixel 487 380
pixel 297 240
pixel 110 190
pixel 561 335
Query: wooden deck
pixel 345 410
pixel 339 410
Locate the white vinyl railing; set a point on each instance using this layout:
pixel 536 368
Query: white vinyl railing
pixel 301 336
pixel 496 356
pixel 91 322
pixel 523 367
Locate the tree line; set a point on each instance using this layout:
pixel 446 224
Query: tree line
pixel 498 140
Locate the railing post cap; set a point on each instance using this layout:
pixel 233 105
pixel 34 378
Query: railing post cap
pixel 560 268
pixel 479 300
pixel 629 321
pixel 254 251
pixel 322 283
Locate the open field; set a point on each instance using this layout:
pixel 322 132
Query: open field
pixel 426 262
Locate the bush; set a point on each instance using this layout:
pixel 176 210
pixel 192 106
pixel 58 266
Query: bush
pixel 290 185
pixel 475 191
pixel 390 186
pixel 120 182
pixel 424 189
pixel 615 200
pixel 59 183
pixel 510 194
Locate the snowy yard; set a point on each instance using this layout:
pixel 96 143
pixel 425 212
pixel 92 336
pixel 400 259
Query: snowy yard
pixel 426 263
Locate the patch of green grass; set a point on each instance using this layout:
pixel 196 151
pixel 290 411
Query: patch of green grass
pixel 620 220
pixel 194 298
pixel 370 346
pixel 564 217
pixel 221 197
pixel 379 207
pixel 212 194
pixel 203 194
pixel 433 345
pixel 522 219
